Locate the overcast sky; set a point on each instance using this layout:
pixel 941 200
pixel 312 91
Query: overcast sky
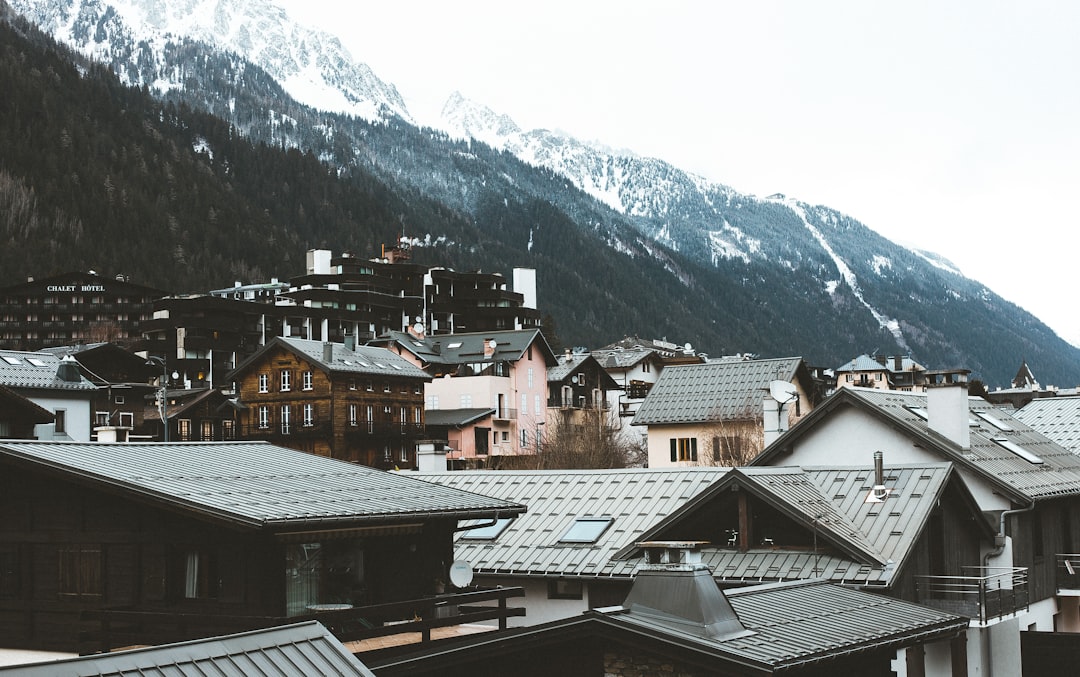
pixel 953 126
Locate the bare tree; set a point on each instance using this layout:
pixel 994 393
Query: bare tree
pixel 581 438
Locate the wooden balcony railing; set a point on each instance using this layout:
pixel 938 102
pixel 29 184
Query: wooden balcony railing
pixel 125 627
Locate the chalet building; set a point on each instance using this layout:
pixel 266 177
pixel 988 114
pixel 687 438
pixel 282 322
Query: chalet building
pixel 668 352
pixel 149 543
pixel 362 404
pixel 675 621
pixel 723 412
pixel 505 371
pixel 119 406
pixel 55 385
pixel 883 373
pixel 578 384
pixel 634 370
pixel 73 307
pixel 1026 486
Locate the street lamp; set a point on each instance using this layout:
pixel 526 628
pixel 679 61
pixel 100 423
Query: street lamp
pixel 163 402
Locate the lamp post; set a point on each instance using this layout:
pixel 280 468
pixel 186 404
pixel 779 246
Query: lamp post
pixel 163 402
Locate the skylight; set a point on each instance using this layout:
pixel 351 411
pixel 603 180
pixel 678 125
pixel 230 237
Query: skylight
pixel 36 362
pixel 586 530
pixel 487 532
pixel 994 421
pixel 11 360
pixel 1018 450
pixel 920 412
pixel 456 344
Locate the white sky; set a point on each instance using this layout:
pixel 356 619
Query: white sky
pixel 949 126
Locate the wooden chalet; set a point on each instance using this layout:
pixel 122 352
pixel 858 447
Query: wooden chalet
pixel 107 545
pixel 360 404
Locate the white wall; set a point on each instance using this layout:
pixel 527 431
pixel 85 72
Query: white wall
pixel 77 421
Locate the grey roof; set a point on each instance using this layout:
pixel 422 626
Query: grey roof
pixel 619 359
pixel 255 484
pixel 867 363
pixel 448 417
pixel 863 543
pixel 800 622
pixel 580 363
pixel 713 391
pixel 1057 475
pixel 24 369
pixel 566 366
pixel 360 360
pixel 635 498
pixel 468 348
pixel 295 650
pixel 1056 417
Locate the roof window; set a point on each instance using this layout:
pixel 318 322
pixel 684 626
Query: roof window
pixel 11 360
pixel 586 530
pixel 36 362
pixel 1018 450
pixel 994 421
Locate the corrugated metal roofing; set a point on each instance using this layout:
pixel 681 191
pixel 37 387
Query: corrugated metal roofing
pixel 1057 475
pixel 635 499
pixel 257 484
pixel 24 369
pixel 467 348
pixel 296 650
pixel 1056 417
pixel 441 417
pixel 621 359
pixel 713 391
pixel 360 360
pixel 565 366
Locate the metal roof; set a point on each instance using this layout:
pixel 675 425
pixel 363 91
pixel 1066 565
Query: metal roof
pixel 861 542
pixel 25 369
pixel 635 499
pixel 619 359
pixel 1057 475
pixel 468 348
pixel 256 484
pixel 366 360
pixel 448 417
pixel 296 650
pixel 713 391
pixel 867 363
pixel 1056 417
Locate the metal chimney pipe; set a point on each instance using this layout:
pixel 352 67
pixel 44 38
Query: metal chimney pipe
pixel 879 469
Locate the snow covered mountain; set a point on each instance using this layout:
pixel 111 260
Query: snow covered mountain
pixel 312 66
pixel 751 271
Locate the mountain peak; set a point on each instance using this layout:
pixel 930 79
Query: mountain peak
pixel 468 119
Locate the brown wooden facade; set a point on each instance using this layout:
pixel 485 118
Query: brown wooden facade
pixel 370 418
pixel 67 548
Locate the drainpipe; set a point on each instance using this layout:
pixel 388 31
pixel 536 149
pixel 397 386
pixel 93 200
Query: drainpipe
pixel 998 549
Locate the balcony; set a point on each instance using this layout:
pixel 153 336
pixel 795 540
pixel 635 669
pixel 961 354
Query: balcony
pixel 988 593
pixel 115 628
pixel 1068 575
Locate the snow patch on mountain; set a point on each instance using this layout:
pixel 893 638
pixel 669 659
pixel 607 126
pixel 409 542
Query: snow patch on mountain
pixel 880 263
pixel 889 324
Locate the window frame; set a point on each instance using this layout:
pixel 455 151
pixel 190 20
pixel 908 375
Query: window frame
pixel 264 383
pixel 80 571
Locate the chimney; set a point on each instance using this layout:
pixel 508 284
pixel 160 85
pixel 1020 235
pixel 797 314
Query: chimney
pixel 327 353
pixel 947 407
pixel 898 363
pixel 879 492
pixel 350 341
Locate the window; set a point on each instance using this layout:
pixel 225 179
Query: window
pixel 80 571
pixel 207 431
pixel 386 387
pixel 524 437
pixel 119 399
pixel 264 383
pixel 530 377
pixel 286 380
pixel 418 389
pixel 352 384
pixel 586 530
pixel 466 401
pixel 433 402
pixel 199 575
pixel 404 415
pixel 127 419
pixel 60 421
pixel 404 453
pixel 370 411
pixel 228 432
pixel 683 449
pixel 565 589
pixel 1018 450
pixel 418 415
pixel 524 404
pixel 994 421
pixel 484 530
pixel 183 429
pixel 286 419
pixel 101 418
pixel 309 415
pixel 352 414
pixel 506 436
pixel 307 380
pixel 264 417
pixel 369 386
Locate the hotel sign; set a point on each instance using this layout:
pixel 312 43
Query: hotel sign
pixel 75 287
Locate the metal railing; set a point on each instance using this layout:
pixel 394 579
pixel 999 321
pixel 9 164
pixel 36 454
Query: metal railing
pixel 129 627
pixel 985 594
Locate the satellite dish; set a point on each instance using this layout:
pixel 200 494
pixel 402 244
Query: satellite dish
pixel 461 573
pixel 783 391
pixel 418 327
pixel 492 344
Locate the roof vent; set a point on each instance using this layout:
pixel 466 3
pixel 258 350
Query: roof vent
pixel 68 371
pixel 879 492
